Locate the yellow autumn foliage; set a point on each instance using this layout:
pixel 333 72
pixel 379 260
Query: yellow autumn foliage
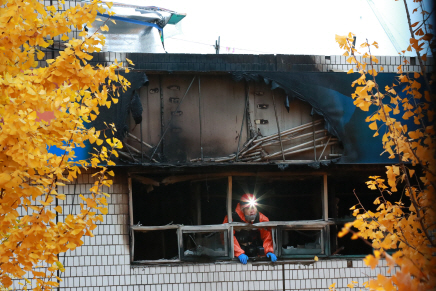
pixel 406 228
pixel 73 91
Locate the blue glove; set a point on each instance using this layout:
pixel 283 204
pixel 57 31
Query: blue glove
pixel 272 257
pixel 243 258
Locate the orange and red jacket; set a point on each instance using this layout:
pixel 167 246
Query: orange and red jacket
pixel 265 234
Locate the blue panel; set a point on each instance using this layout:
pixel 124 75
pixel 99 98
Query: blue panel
pixel 330 96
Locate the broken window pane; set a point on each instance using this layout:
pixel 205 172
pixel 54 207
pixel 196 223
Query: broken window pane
pixel 205 245
pixel 300 242
pixel 156 245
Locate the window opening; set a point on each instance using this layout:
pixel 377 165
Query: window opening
pixel 301 242
pixel 156 245
pixel 171 204
pixel 183 220
pixel 345 245
pixel 341 199
pixel 283 198
pixel 204 245
pixel 212 197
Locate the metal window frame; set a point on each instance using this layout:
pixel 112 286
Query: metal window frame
pixel 275 226
pixel 184 229
pixel 135 228
pixel 325 249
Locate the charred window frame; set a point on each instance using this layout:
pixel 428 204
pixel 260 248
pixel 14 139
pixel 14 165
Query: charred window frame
pixel 298 241
pixel 209 241
pixel 174 241
pixel 177 238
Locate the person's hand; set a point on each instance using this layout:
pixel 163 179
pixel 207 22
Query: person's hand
pixel 243 258
pixel 272 257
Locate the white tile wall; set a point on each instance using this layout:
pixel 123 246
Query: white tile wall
pixel 102 263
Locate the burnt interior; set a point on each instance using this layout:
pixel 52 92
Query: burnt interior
pixel 198 200
pixel 213 200
pixel 283 198
pixel 187 203
pixel 300 241
pixel 171 204
pixel 156 245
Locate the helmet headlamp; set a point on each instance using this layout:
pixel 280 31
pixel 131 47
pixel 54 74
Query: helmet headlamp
pixel 248 200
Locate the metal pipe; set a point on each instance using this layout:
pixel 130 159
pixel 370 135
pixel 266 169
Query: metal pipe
pixel 278 126
pixel 171 119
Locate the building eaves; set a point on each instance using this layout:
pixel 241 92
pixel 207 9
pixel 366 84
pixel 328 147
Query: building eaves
pixel 251 63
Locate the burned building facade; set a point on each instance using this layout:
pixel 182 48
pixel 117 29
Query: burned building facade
pixel 199 131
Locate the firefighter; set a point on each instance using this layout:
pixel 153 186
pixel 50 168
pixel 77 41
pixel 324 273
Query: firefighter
pixel 253 242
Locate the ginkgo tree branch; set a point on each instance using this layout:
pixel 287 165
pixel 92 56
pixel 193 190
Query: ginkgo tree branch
pixel 380 104
pixel 54 85
pixel 379 224
pixel 395 226
pixel 424 20
pixel 408 185
pixel 421 64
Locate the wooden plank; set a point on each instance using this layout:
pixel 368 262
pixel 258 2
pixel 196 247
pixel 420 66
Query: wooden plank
pixel 145 180
pixel 128 156
pixel 315 224
pixel 138 140
pixel 225 226
pixel 138 151
pixel 325 199
pixel 289 131
pixel 275 142
pixel 229 198
pixel 291 149
pixel 223 106
pixel 291 152
pixel 198 177
pixel 229 214
pixel 149 228
pixel 203 228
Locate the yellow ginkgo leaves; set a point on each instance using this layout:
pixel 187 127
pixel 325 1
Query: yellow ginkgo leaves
pixel 30 174
pixel 406 226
